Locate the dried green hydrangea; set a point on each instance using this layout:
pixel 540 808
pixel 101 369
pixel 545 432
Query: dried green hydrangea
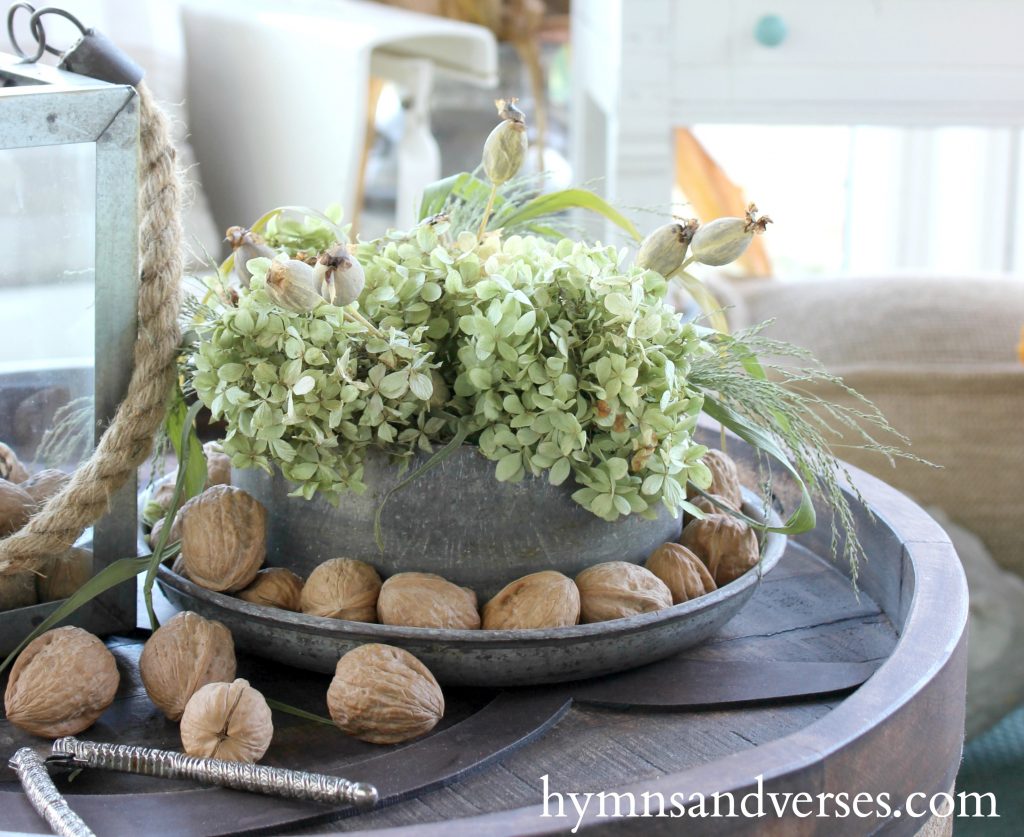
pixel 549 356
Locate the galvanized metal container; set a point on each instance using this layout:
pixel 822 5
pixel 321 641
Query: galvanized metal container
pixel 456 520
pixel 483 658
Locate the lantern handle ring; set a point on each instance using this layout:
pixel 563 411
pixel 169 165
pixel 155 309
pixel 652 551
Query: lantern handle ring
pixel 37 30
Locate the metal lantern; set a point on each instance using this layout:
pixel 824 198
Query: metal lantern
pixel 68 295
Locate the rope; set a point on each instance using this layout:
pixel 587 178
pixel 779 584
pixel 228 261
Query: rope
pixel 129 439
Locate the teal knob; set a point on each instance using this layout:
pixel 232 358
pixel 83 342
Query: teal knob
pixel 771 30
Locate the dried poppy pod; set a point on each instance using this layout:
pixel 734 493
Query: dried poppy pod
pixel 506 146
pixel 426 600
pixel 384 695
pixel 342 588
pixel 727 546
pixel 182 656
pixel 290 284
pixel 683 572
pixel 726 239
pixel 339 276
pixel 617 589
pixel 246 245
pixel 274 587
pixel 546 599
pixel 229 721
pixel 223 538
pixel 664 250
pixel 61 683
pixel 725 478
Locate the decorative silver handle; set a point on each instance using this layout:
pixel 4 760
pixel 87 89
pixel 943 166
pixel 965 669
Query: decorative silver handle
pixel 256 778
pixel 45 797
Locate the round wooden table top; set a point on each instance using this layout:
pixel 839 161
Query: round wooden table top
pixel 507 763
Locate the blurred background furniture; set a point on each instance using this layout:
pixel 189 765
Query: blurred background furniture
pixel 278 96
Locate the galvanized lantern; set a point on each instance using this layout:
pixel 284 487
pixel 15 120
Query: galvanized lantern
pixel 68 295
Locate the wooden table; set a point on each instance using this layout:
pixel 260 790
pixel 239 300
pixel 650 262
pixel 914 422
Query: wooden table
pixel 901 732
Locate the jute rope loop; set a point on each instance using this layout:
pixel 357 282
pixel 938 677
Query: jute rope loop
pixel 129 438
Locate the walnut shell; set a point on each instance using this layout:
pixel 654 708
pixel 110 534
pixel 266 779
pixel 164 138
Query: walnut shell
pixel 706 506
pixel 682 571
pixel 17 590
pixel 10 468
pixel 61 683
pixel 384 695
pixel 546 599
pixel 182 656
pixel 725 478
pixel 42 486
pixel 223 538
pixel 727 546
pixel 16 507
pixel 617 589
pixel 342 588
pixel 153 538
pixel 274 587
pixel 425 600
pixel 62 575
pixel 218 465
pixel 229 721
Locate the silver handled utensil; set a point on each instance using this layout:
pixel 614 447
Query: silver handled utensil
pixel 45 797
pixel 256 778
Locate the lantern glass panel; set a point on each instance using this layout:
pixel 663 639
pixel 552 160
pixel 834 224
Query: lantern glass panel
pixel 47 304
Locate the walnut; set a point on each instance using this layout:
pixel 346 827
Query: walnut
pixel 706 506
pixel 17 589
pixel 62 575
pixel 727 546
pixel 61 683
pixel 182 656
pixel 425 600
pixel 617 589
pixel 10 468
pixel 384 695
pixel 42 486
pixel 223 538
pixel 229 721
pixel 154 533
pixel 725 479
pixel 342 589
pixel 546 599
pixel 682 571
pixel 218 465
pixel 16 507
pixel 274 587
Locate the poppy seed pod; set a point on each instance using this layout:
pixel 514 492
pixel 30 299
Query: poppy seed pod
pixel 290 285
pixel 506 146
pixel 339 276
pixel 246 245
pixel 726 239
pixel 664 249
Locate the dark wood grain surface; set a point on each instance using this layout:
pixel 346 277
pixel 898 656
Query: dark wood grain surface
pixel 900 732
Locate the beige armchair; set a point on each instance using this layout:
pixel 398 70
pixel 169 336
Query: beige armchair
pixel 939 357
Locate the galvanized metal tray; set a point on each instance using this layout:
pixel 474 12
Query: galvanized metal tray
pixel 484 658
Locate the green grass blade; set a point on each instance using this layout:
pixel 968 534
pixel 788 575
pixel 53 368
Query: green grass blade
pixel 117 573
pixel 566 199
pixel 803 519
pixel 288 709
pixel 705 299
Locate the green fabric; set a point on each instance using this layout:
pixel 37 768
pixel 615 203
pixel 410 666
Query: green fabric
pixel 994 763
